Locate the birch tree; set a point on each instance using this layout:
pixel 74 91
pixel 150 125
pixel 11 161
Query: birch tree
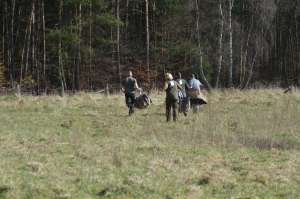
pixel 230 74
pixel 220 60
pixel 147 39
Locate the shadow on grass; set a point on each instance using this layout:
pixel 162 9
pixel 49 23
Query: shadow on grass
pixel 3 190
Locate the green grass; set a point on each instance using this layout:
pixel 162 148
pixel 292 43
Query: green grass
pixel 241 145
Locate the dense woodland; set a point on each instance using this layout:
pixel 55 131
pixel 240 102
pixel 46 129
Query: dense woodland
pixel 88 44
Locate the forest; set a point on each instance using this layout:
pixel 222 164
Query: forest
pixel 87 45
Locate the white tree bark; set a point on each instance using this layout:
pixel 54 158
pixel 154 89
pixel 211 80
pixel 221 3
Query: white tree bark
pixel 230 77
pixel 118 45
pixel 220 44
pixel 44 41
pixel 148 39
pixel 60 51
pixel 199 45
pixel 90 46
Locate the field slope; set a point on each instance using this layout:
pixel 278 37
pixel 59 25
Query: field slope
pixel 241 145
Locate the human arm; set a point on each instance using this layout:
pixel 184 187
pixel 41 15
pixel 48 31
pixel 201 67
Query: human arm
pixel 187 85
pixel 199 86
pixel 136 86
pixel 166 85
pixel 179 86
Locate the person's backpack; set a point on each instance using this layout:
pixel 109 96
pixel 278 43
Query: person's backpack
pixel 172 91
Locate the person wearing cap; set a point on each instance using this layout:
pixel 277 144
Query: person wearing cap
pixel 171 87
pixel 182 95
pixel 128 87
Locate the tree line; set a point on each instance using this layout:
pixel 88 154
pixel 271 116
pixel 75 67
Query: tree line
pixel 87 44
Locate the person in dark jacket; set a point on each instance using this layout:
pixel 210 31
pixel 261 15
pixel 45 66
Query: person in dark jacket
pixel 171 87
pixel 182 95
pixel 129 87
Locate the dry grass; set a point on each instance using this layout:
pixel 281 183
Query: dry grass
pixel 241 145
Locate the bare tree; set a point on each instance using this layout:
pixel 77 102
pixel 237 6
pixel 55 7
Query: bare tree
pixel 220 44
pixel 199 45
pixel 230 77
pixel 28 40
pixel 90 45
pixel 60 62
pixel 118 43
pixel 12 44
pixel 148 39
pixel 33 44
pixel 78 65
pixel 44 44
pixel 23 50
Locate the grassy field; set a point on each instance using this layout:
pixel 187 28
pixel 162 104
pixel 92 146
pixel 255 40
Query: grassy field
pixel 242 145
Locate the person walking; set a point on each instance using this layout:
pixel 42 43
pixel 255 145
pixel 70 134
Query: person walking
pixel 171 87
pixel 129 87
pixel 182 95
pixel 195 84
pixel 194 92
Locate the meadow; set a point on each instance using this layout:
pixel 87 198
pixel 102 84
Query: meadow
pixel 242 145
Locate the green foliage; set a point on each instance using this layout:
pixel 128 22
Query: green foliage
pixel 108 20
pixel 28 82
pixel 90 26
pixel 74 2
pixel 168 6
pixel 66 35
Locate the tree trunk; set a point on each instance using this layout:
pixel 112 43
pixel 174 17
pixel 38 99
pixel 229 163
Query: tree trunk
pixel 33 50
pixel 23 52
pixel 12 44
pixel 200 47
pixel 62 92
pixel 127 20
pixel 148 41
pixel 220 44
pixel 44 46
pixel 28 40
pixel 244 56
pixel 79 49
pixel 251 71
pixel 90 47
pixel 118 45
pixel 230 77
pixel 112 35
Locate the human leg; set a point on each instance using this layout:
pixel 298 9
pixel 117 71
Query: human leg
pixel 168 109
pixel 185 106
pixel 174 108
pixel 130 99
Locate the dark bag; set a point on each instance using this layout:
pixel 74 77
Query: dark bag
pixel 142 101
